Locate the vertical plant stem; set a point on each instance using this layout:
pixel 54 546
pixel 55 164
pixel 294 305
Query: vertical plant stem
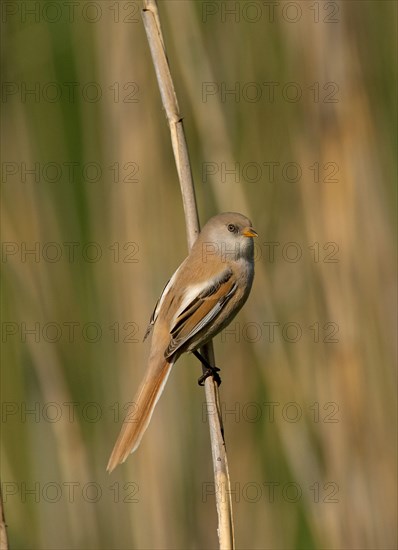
pixel 3 526
pixel 153 30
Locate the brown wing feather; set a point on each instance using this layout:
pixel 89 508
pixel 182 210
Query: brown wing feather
pixel 190 321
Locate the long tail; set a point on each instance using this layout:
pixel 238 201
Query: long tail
pixel 140 411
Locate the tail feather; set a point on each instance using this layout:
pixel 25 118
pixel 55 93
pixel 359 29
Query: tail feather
pixel 140 411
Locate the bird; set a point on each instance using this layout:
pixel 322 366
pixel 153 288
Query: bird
pixel 201 298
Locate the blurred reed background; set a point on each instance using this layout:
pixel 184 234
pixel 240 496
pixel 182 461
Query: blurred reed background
pixel 310 415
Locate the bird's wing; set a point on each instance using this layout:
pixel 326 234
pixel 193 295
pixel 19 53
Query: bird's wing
pixel 201 309
pixel 159 303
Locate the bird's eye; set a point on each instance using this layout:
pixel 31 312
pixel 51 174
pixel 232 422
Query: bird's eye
pixel 231 227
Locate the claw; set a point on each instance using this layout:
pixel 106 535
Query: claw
pixel 210 371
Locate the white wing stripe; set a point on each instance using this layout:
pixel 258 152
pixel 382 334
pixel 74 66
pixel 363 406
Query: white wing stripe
pixel 191 292
pixel 164 293
pixel 209 316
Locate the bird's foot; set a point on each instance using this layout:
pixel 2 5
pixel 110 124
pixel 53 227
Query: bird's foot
pixel 208 370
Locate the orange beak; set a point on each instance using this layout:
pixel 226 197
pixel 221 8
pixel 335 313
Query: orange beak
pixel 249 232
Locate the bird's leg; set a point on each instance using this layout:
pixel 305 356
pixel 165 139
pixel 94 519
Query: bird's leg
pixel 209 371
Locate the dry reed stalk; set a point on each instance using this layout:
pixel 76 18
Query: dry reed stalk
pixel 3 527
pixel 153 30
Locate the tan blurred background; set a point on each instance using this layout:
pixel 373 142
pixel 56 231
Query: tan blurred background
pixel 290 115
